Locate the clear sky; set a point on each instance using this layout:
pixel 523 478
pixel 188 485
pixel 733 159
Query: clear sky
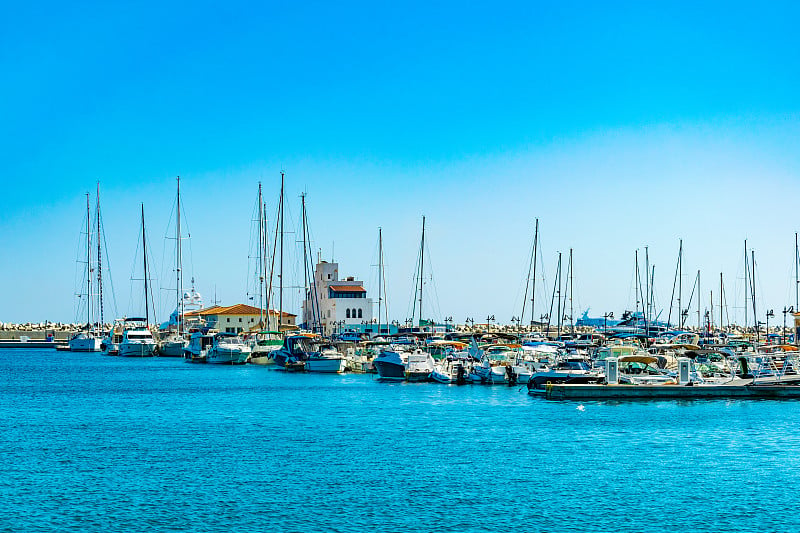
pixel 619 125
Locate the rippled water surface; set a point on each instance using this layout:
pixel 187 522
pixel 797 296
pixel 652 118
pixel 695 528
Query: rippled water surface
pixel 94 443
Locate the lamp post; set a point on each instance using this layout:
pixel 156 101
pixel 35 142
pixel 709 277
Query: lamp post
pixel 470 321
pixel 786 310
pixel 606 316
pixel 489 320
pixel 769 314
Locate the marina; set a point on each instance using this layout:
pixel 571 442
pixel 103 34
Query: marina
pixel 130 441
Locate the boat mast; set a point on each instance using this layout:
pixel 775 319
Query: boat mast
pixel 280 275
pixel 680 283
pixel 558 310
pixel 178 259
pixel 144 256
pixel 531 266
pixel 746 282
pixel 721 297
pixel 88 266
pixel 380 275
pixel 571 279
pixel 647 290
pixel 421 269
pixel 796 276
pixel 266 288
pixel 260 257
pixel 753 291
pixel 99 261
pixel 699 323
pixel 636 281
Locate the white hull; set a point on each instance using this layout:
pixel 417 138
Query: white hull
pixel 172 348
pixel 261 358
pixel 138 349
pixel 326 366
pixel 223 356
pixel 83 343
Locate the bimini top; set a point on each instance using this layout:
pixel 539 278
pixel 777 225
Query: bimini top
pixel 643 359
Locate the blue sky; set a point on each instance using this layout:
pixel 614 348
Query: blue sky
pixel 619 125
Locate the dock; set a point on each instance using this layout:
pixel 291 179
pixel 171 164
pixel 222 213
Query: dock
pixel 561 391
pixel 32 344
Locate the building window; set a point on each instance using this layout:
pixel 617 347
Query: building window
pixel 329 276
pixel 359 314
pixel 228 319
pixel 348 313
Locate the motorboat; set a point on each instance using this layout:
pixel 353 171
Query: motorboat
pixel 85 341
pixel 294 351
pixel 227 349
pixel 391 364
pixel 263 345
pixel 419 365
pixel 137 340
pixel 327 360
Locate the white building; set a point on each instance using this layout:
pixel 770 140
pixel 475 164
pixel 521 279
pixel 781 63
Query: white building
pixel 342 304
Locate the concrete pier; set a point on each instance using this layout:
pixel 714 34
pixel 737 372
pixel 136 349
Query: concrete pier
pixel 652 392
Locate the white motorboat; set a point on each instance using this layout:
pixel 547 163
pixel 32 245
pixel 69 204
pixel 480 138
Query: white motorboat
pixel 263 344
pixel 227 349
pixel 85 341
pixel 327 360
pixel 419 365
pixel 137 340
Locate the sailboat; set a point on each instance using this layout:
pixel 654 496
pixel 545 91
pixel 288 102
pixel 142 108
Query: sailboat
pixel 414 365
pixel 137 340
pixel 88 340
pixel 264 342
pixel 175 343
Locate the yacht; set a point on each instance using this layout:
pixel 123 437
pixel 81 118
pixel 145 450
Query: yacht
pixel 85 341
pixel 292 355
pixel 327 360
pixel 227 349
pixel 391 364
pixel 264 344
pixel 137 340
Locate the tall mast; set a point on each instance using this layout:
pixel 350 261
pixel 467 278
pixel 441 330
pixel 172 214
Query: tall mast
pixel 144 257
pixel 280 276
pixel 636 281
pixel 746 283
pixel 99 261
pixel 559 295
pixel 571 279
pixel 178 259
pixel 753 291
pixel 531 266
pixel 533 288
pixel 264 262
pixel 647 290
pixel 380 276
pixel 699 323
pixel 306 289
pixel 796 276
pixel 421 268
pixel 88 266
pixel 680 283
pixel 721 295
pixel 260 257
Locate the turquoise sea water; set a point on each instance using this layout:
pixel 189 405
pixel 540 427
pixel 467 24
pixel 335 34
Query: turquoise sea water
pixel 94 443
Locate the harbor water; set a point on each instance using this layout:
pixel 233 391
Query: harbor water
pixel 94 443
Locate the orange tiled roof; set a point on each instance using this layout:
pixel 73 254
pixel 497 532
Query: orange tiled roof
pixel 238 309
pixel 347 288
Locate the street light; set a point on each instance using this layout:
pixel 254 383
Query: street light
pixel 769 314
pixel 606 316
pixel 789 309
